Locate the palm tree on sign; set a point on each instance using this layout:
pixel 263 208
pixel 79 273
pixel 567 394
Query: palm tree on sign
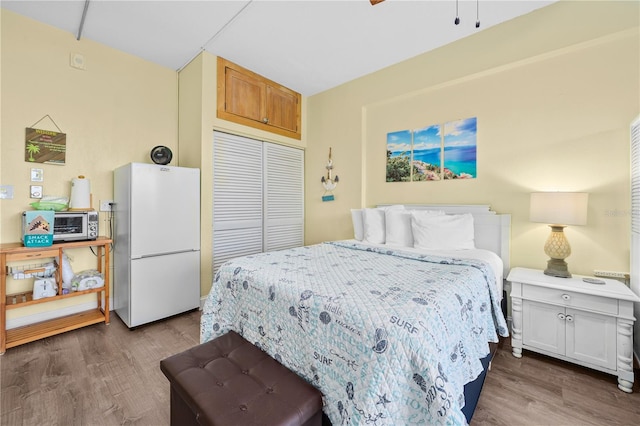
pixel 32 148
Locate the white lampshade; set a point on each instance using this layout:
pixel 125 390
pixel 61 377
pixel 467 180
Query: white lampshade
pixel 559 208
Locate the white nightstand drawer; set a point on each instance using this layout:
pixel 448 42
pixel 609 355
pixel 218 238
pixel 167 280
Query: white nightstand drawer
pixel 570 299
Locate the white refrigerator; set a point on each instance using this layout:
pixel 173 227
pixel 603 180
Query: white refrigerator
pixel 157 242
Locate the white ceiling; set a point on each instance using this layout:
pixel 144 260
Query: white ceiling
pixel 307 45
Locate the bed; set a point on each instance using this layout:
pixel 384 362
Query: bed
pixel 390 334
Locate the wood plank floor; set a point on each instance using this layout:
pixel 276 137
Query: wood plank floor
pixel 110 375
pixel 539 390
pixel 97 375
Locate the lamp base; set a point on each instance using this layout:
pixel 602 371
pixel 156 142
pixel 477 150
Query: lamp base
pixel 557 268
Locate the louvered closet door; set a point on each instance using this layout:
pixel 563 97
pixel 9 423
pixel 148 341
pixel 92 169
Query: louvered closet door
pixel 237 197
pixel 635 222
pixel 258 197
pixel 283 197
pixel 635 176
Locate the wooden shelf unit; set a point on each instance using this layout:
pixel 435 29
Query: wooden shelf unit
pixel 13 252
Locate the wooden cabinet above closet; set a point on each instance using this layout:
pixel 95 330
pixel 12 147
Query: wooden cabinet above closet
pixel 245 97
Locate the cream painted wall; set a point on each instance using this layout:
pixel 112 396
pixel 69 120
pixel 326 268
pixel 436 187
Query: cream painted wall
pixel 554 96
pixel 198 103
pixel 113 113
pixel 120 106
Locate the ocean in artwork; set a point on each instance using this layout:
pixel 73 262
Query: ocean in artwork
pixel 399 143
pixel 461 159
pixel 430 156
pixel 460 147
pixel 394 154
pixel 435 152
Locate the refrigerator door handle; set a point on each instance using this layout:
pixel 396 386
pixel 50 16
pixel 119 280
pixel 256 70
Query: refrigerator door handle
pixel 167 253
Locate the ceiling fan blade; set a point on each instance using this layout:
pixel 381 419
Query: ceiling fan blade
pixel 374 2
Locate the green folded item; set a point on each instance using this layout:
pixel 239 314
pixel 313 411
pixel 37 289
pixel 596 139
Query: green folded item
pixel 45 205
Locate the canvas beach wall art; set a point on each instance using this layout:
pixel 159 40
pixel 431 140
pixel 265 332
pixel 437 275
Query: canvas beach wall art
pixel 437 152
pixel 427 153
pixel 399 152
pixel 459 149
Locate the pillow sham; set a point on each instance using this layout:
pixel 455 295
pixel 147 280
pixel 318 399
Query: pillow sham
pixel 374 229
pixel 398 228
pixel 443 232
pixel 358 225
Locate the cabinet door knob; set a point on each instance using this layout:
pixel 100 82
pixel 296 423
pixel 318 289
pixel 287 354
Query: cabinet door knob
pixel 566 297
pixel 561 316
pixel 265 120
pixel 569 318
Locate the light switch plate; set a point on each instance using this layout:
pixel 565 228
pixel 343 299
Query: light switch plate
pixel 6 192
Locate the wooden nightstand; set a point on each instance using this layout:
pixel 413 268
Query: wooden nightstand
pixel 566 318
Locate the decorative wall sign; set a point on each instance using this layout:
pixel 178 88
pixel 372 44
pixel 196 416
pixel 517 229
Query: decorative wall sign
pixel 45 146
pixel 39 229
pixel 436 152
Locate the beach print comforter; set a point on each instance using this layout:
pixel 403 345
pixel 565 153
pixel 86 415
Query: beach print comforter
pixel 388 337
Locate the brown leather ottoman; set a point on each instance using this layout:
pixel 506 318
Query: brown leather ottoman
pixel 228 381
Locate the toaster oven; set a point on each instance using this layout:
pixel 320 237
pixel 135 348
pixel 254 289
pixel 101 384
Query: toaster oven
pixel 73 225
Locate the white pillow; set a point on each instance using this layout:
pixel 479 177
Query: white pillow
pixel 373 220
pixel 398 225
pixel 358 225
pixel 398 228
pixel 443 232
pixel 374 230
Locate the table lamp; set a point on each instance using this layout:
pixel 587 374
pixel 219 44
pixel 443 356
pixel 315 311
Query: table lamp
pixel 558 209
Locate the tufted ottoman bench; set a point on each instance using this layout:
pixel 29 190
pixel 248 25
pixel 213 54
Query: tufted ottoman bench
pixel 228 381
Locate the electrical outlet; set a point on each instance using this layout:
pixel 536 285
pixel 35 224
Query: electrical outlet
pixel 610 274
pixel 105 206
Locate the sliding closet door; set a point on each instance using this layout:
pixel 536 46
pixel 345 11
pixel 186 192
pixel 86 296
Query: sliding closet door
pixel 258 197
pixel 283 197
pixel 237 197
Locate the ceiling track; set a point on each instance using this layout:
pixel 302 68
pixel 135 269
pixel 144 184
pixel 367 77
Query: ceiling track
pixel 224 27
pixel 208 43
pixel 84 15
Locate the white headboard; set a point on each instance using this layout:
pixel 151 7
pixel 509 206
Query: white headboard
pixel 492 230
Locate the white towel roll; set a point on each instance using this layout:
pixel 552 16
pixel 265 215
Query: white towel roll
pixel 80 193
